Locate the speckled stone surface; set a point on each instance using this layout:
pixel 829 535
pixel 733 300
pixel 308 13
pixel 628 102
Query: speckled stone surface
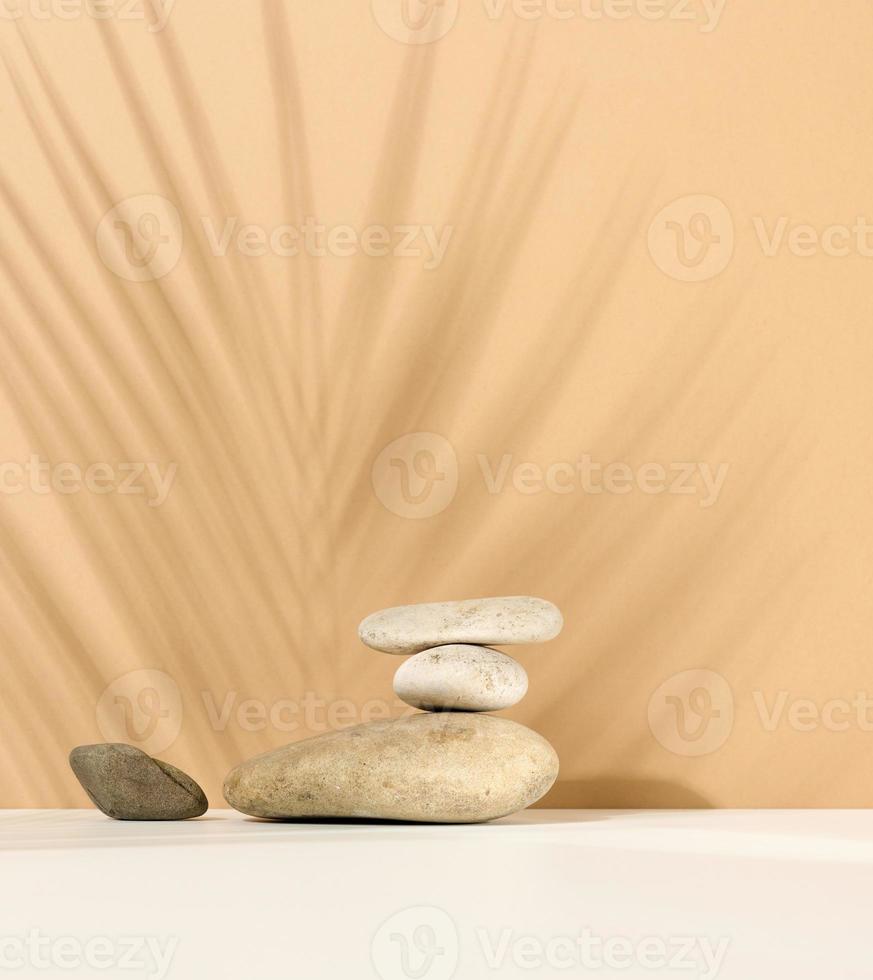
pixel 127 784
pixel 496 621
pixel 460 677
pixel 440 768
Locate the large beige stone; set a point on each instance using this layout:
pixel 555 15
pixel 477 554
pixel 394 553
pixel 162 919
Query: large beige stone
pixel 496 621
pixel 442 768
pixel 460 677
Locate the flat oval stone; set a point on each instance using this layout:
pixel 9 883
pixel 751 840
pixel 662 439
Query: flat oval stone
pixel 486 622
pixel 460 677
pixel 127 784
pixel 438 768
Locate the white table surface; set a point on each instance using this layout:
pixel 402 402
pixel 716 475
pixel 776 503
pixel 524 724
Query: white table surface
pixel 546 893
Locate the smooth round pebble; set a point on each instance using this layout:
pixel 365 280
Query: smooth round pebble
pixel 498 621
pixel 440 768
pixel 461 677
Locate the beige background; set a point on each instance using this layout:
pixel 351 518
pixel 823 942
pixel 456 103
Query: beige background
pixel 547 332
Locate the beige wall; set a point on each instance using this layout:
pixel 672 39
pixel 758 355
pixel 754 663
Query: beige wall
pixel 557 325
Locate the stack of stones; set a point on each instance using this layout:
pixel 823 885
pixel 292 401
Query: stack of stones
pixel 450 762
pixel 450 667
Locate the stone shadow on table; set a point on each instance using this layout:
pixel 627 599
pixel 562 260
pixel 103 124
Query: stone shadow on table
pixel 622 793
pixel 360 822
pixel 600 798
pixel 606 794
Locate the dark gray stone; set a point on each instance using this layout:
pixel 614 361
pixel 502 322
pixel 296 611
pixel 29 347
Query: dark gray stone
pixel 127 784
